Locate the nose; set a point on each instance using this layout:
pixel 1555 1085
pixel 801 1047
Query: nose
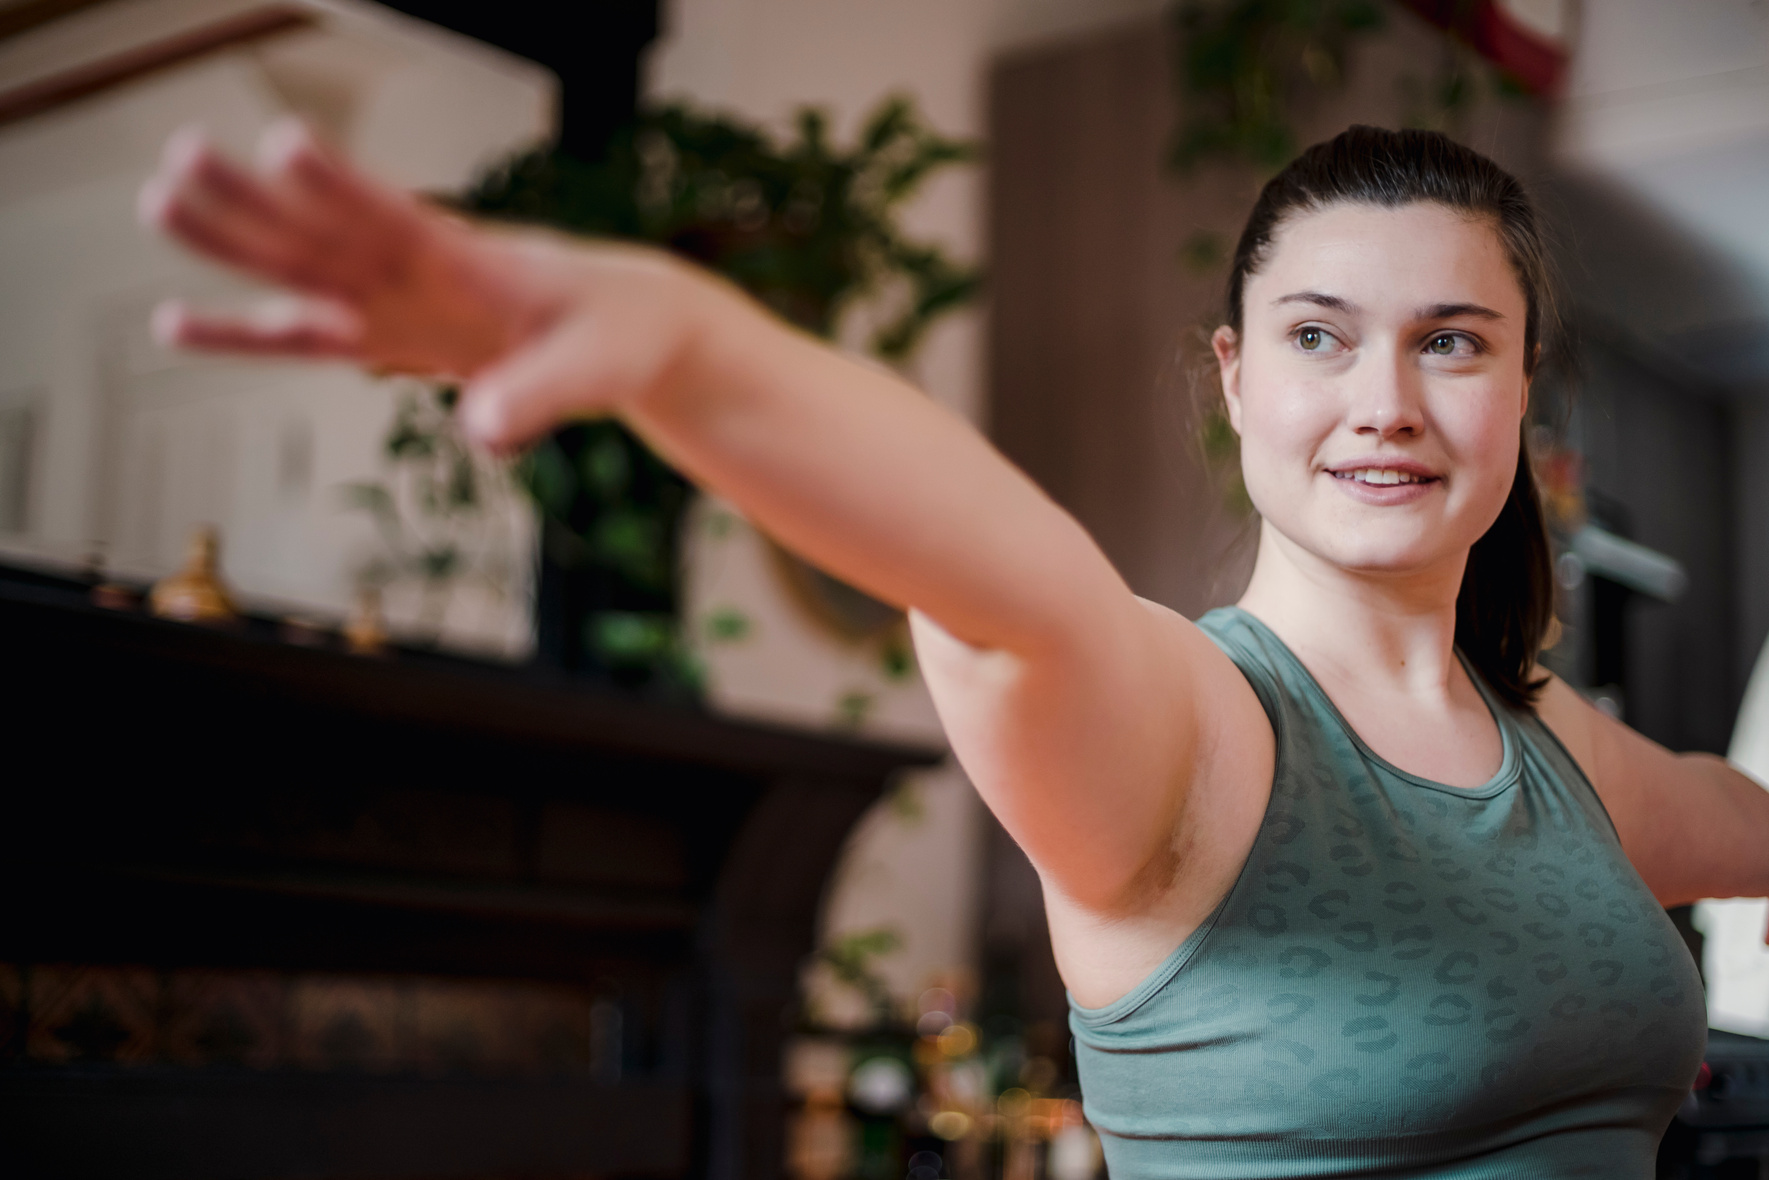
pixel 1387 400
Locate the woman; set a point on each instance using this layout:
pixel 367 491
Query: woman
pixel 1339 881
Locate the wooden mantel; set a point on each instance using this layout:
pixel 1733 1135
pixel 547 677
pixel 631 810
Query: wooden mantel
pixel 181 798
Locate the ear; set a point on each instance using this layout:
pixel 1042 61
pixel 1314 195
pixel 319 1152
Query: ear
pixel 1529 378
pixel 1227 347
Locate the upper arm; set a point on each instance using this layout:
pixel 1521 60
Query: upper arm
pixel 1692 825
pixel 1104 753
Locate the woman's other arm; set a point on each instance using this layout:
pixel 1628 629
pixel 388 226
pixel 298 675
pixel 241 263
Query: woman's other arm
pixel 1692 824
pixel 1081 714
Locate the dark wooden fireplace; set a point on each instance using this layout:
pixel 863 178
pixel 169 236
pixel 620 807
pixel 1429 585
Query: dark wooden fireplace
pixel 272 910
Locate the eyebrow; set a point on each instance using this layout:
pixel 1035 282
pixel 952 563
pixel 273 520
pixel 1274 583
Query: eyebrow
pixel 1436 311
pixel 1318 298
pixel 1449 311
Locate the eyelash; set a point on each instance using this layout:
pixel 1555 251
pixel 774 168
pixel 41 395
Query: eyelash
pixel 1476 348
pixel 1297 333
pixel 1474 344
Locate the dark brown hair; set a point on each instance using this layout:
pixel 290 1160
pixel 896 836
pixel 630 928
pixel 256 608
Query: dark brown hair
pixel 1507 598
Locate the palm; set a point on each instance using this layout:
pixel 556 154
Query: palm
pixel 540 330
pixel 382 279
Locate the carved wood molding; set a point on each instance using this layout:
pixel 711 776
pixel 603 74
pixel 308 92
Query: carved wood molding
pixel 32 98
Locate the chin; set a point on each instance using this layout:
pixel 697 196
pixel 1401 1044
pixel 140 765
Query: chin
pixel 1410 548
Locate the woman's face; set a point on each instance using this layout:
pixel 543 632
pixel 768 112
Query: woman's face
pixel 1378 384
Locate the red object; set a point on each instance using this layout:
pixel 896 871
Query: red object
pixel 1538 63
pixel 1703 1076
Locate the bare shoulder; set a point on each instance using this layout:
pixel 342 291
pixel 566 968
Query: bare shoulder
pixel 1235 734
pixel 1692 825
pixel 1568 717
pixel 1623 766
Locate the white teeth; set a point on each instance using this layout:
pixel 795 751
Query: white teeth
pixel 1378 475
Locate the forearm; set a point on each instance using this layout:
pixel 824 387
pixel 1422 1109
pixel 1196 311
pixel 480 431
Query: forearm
pixel 1736 844
pixel 873 481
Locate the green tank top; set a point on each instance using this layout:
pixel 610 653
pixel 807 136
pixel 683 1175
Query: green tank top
pixel 1406 979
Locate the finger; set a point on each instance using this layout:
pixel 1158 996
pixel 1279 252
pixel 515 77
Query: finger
pixel 218 237
pixel 194 175
pixel 226 185
pixel 304 328
pixel 216 209
pixel 553 380
pixel 261 225
pixel 333 199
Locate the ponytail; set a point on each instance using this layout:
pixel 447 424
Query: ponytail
pixel 1507 595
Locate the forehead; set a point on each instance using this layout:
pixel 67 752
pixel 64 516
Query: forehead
pixel 1389 259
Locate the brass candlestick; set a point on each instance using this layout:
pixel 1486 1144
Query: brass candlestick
pixel 196 593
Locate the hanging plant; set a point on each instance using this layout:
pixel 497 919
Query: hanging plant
pixel 441 516
pixel 1242 65
pixel 806 227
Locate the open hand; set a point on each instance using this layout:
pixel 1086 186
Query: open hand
pixel 538 329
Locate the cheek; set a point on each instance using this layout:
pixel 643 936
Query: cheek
pixel 1481 438
pixel 1286 420
pixel 1282 429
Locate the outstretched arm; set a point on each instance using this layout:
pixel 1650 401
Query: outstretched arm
pixel 1075 708
pixel 1692 824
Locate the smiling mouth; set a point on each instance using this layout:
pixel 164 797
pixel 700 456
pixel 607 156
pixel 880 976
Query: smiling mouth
pixel 1381 476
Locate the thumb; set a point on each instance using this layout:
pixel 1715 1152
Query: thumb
pixel 559 376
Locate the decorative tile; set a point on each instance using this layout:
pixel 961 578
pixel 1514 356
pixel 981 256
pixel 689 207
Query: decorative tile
pixel 60 1014
pixel 88 1014
pixel 226 1018
pixel 341 1023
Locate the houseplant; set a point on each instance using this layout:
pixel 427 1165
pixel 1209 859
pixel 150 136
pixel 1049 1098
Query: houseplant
pixel 807 227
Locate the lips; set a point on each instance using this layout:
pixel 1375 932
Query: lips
pixel 1380 476
pixel 1382 469
pixel 1384 479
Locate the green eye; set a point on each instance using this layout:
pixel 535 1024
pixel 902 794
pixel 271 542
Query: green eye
pixel 1310 338
pixel 1443 345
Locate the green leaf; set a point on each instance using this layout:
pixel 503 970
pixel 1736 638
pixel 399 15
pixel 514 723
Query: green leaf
pixel 625 637
pixel 1204 250
pixel 728 625
pixel 855 951
pixel 630 539
pixel 853 707
pixel 606 466
pixel 548 476
pixel 892 119
pixel 440 563
pixel 370 497
pixel 896 659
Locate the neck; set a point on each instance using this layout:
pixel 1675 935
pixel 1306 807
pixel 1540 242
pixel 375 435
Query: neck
pixel 1383 631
